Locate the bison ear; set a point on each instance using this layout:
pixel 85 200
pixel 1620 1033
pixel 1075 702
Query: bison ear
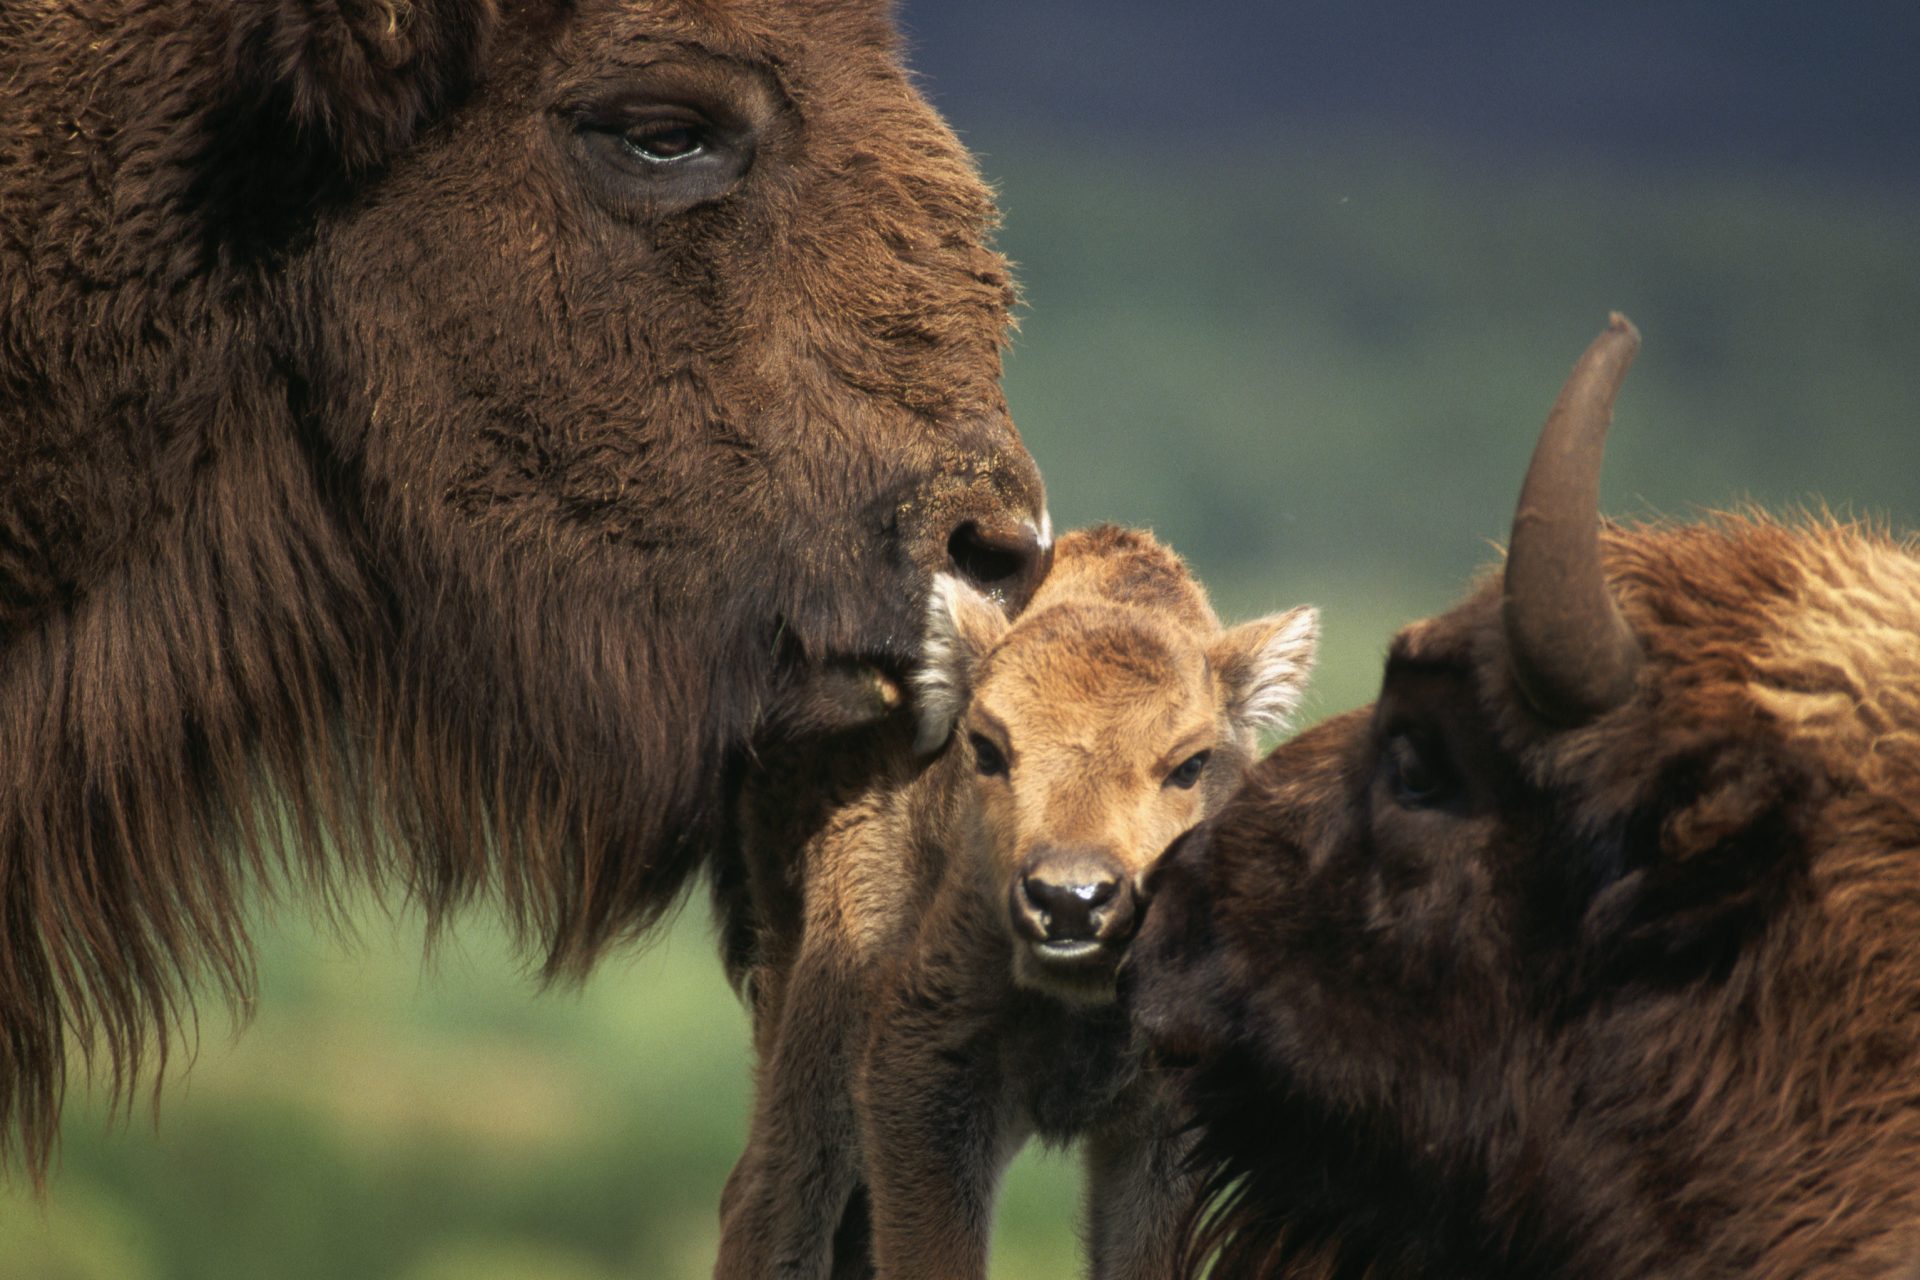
pixel 1263 666
pixel 1726 820
pixel 962 627
pixel 362 77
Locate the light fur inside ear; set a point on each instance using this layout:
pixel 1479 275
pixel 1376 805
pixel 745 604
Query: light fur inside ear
pixel 1264 666
pixel 962 625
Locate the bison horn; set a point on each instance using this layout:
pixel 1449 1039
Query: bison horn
pixel 1573 655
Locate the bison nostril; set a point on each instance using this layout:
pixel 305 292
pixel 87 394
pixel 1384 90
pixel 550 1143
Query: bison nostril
pixel 1007 564
pixel 1068 912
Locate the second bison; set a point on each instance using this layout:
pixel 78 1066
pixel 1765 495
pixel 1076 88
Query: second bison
pixel 1589 950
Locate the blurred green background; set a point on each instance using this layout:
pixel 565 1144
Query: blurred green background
pixel 1309 348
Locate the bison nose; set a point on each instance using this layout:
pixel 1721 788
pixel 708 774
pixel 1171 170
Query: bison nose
pixel 1072 900
pixel 1006 562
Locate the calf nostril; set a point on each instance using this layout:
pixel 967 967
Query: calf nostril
pixel 1007 564
pixel 1068 912
pixel 1095 895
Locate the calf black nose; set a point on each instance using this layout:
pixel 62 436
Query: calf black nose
pixel 1006 563
pixel 1072 900
pixel 1067 911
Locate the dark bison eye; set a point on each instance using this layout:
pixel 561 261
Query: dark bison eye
pixel 1418 780
pixel 1190 770
pixel 654 159
pixel 666 141
pixel 987 758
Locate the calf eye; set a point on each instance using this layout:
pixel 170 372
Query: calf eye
pixel 1189 771
pixel 1418 780
pixel 987 758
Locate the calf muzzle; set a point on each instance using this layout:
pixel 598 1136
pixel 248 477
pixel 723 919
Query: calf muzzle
pixel 1072 904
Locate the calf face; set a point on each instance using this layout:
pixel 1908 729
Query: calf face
pixel 1098 727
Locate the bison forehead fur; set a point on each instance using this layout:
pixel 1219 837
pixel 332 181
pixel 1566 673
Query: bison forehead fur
pixel 1474 994
pixel 440 431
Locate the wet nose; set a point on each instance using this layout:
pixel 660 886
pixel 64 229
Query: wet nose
pixel 983 515
pixel 1073 899
pixel 1005 561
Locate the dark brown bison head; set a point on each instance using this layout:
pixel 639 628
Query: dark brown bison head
pixel 456 425
pixel 1587 950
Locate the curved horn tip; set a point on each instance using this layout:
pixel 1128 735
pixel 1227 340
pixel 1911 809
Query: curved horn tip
pixel 1573 654
pixel 1602 367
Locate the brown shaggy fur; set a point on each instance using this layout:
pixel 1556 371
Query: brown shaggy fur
pixel 911 1035
pixel 402 468
pixel 1473 995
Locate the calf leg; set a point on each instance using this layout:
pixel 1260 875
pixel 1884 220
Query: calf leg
pixel 936 1131
pixel 795 1183
pixel 1138 1193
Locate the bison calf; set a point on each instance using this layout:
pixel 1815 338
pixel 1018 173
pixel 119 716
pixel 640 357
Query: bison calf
pixel 932 954
pixel 1589 950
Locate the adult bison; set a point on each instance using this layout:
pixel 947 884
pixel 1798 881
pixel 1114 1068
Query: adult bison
pixel 433 436
pixel 1592 949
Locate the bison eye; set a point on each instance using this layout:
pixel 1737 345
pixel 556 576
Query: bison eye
pixel 987 758
pixel 666 141
pixel 1417 778
pixel 651 158
pixel 1189 771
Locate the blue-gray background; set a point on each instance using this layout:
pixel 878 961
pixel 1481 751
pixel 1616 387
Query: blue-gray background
pixel 1301 280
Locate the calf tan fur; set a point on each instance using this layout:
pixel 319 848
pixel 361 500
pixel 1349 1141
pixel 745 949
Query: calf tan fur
pixel 930 948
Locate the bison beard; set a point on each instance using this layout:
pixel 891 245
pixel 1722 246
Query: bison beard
pixel 1588 950
pixel 434 437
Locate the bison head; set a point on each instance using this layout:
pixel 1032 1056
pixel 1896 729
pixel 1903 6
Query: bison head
pixel 1574 954
pixel 458 425
pixel 663 373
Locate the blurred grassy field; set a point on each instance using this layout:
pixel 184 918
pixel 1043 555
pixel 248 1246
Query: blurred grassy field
pixel 381 1119
pixel 1316 369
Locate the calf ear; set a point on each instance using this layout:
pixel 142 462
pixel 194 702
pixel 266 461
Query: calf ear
pixel 361 77
pixel 1263 667
pixel 962 626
